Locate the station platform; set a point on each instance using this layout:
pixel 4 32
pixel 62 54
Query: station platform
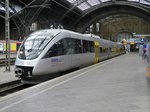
pixel 7 76
pixel 115 85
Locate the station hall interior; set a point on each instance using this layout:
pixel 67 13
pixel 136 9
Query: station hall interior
pixel 90 55
pixel 110 19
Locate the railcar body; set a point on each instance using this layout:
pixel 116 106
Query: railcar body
pixel 46 52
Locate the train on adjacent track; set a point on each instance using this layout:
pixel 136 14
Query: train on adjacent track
pixel 51 51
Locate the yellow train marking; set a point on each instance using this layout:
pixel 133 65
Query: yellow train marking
pixel 96 49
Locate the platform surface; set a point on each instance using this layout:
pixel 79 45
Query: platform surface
pixel 7 76
pixel 116 85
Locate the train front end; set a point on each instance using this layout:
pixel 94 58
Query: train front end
pixel 30 53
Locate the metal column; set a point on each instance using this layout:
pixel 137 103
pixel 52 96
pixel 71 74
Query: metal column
pixel 7 35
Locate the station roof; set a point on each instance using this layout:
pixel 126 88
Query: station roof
pixel 86 4
pixel 82 5
pixel 73 14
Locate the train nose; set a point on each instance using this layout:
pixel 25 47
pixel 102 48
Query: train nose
pixel 23 71
pixel 19 72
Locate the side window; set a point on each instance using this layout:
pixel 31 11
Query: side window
pixel 103 49
pixel 73 46
pixel 56 50
pixel 109 49
pixel 66 45
pixel 88 46
pixel 78 46
pixel 60 47
pixel 70 48
pixel 85 46
pixel 91 45
pixel 53 51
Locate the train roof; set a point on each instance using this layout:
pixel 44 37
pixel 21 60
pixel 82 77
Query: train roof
pixel 56 31
pixel 84 36
pixel 91 35
pixel 46 32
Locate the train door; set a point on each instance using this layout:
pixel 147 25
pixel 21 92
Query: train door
pixel 67 57
pixel 60 56
pixel 96 50
pixel 77 53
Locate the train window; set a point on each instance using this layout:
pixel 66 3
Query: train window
pixel 33 46
pixel 91 45
pixel 74 46
pixel 103 49
pixel 53 51
pixel 100 49
pixel 60 47
pixel 109 49
pixel 70 46
pixel 65 45
pixel 88 46
pixel 56 50
pixel 78 46
pixel 85 46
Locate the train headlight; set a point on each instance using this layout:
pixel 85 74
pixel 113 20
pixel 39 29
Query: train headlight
pixel 21 52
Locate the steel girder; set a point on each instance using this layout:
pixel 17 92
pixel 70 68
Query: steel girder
pixel 30 14
pixel 107 9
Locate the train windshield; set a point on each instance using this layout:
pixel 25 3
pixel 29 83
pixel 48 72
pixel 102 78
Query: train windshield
pixel 33 46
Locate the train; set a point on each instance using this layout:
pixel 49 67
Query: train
pixel 45 53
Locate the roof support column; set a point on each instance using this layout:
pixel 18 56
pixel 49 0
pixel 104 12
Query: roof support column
pixel 7 36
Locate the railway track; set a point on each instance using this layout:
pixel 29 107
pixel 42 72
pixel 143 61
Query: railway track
pixel 12 87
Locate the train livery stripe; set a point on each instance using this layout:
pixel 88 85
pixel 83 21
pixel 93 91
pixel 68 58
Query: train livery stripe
pixel 96 50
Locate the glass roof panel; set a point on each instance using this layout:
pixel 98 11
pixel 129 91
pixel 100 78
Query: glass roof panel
pixel 2 8
pixel 105 0
pixel 141 1
pixel 145 2
pixel 93 2
pixel 71 1
pixel 134 0
pixel 83 6
pixel 17 8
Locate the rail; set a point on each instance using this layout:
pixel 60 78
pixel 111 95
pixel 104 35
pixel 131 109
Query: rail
pixel 12 87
